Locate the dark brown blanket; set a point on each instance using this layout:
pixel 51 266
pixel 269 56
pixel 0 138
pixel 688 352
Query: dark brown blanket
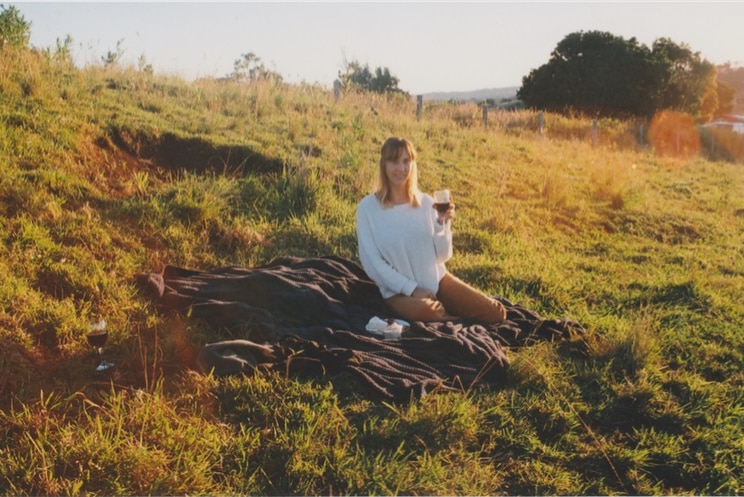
pixel 308 316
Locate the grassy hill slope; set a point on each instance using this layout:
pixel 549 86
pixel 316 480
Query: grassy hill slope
pixel 106 173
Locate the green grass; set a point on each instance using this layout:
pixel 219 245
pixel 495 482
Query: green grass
pixel 106 173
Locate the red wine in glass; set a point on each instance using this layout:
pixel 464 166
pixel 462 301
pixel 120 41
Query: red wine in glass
pixel 97 338
pixel 442 201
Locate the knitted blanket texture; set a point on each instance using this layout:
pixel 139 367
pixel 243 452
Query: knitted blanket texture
pixel 307 316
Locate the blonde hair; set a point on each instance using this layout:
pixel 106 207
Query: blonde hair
pixel 391 151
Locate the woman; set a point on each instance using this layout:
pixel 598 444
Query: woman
pixel 404 243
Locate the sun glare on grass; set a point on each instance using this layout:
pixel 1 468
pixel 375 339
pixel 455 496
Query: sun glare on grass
pixel 674 134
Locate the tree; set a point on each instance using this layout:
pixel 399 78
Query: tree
pixel 726 95
pixel 358 77
pixel 15 31
pixel 686 79
pixel 733 76
pixel 249 67
pixel 709 104
pixel 729 78
pixel 600 74
pixel 594 73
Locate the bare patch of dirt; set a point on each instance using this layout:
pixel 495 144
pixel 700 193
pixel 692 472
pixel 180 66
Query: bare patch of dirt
pixel 119 161
pixel 194 154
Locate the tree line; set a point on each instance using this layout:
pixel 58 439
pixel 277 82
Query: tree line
pixel 591 73
pixel 598 74
pixel 602 75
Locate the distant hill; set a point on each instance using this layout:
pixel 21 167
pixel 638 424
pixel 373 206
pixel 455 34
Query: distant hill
pixel 497 94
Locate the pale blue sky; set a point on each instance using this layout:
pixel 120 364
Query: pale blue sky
pixel 429 46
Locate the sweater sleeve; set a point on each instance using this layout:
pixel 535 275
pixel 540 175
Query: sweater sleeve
pixel 376 267
pixel 443 244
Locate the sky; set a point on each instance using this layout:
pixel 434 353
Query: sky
pixel 428 46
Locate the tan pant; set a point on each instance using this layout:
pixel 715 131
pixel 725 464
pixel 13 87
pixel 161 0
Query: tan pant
pixel 455 298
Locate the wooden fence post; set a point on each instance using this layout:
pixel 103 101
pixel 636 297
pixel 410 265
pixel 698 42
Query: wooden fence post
pixel 595 132
pixel 336 90
pixel 419 105
pixel 541 123
pixel 485 116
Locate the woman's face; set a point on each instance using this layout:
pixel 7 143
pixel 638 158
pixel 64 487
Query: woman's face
pixel 398 170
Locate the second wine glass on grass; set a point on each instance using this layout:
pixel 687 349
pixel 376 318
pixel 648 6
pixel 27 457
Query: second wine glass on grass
pixel 97 337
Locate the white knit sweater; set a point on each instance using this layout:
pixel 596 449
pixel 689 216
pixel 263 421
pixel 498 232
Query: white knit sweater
pixel 402 247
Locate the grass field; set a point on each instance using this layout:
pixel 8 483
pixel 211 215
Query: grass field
pixel 106 173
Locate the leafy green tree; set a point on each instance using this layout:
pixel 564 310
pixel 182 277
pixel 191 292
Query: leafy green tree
pixel 249 67
pixel 593 73
pixel 358 77
pixel 709 104
pixel 726 95
pixel 600 74
pixel 730 77
pixel 355 76
pixel 685 78
pixel 15 31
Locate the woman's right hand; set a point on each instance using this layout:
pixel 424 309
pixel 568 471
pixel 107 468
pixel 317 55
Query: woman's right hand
pixel 422 293
pixel 444 217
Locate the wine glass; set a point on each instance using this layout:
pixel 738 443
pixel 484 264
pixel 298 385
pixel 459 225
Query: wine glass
pixel 97 337
pixel 442 201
